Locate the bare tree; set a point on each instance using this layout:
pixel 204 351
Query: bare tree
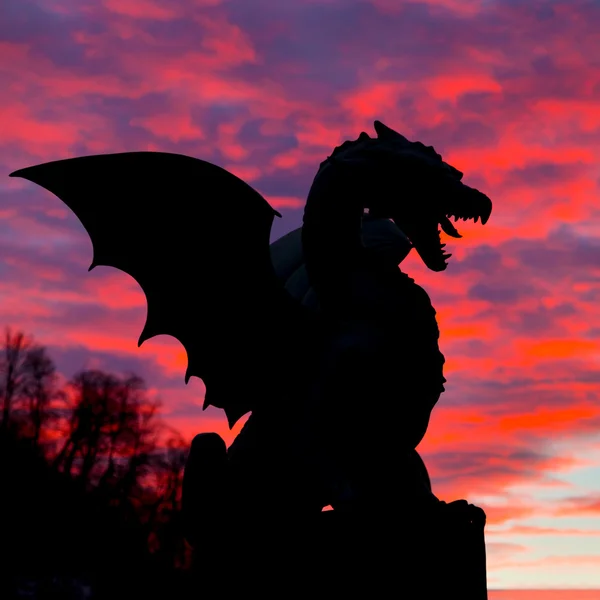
pixel 167 527
pixel 111 434
pixel 114 486
pixel 40 389
pixel 173 465
pixel 16 346
pixel 84 427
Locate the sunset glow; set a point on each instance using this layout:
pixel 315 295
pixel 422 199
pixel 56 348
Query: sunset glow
pixel 507 91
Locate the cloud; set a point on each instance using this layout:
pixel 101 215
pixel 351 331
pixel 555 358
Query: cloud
pixel 505 90
pixel 581 505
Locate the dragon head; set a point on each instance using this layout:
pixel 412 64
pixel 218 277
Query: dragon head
pixel 411 184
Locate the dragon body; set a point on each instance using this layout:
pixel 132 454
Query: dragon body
pixel 332 348
pixel 371 388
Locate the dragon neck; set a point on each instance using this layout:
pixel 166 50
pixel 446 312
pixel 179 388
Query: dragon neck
pixel 331 236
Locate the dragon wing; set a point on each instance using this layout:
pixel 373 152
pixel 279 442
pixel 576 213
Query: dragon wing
pixel 196 240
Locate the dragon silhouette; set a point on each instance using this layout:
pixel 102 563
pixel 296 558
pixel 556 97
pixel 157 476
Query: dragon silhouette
pixel 320 335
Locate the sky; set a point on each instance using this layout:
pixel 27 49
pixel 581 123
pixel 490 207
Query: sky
pixel 506 90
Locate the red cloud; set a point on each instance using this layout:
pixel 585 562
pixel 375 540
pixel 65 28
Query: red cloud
pixel 141 9
pixel 505 91
pixel 580 506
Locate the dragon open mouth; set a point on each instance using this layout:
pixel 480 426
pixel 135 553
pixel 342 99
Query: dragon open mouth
pixel 426 237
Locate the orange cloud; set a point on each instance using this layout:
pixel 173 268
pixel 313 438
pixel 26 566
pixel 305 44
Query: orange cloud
pixel 550 420
pixel 268 94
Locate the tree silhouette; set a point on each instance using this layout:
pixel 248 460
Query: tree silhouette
pixel 167 533
pixel 40 391
pixel 105 503
pixel 111 433
pixel 12 368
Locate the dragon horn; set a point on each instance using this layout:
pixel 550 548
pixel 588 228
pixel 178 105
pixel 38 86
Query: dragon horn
pixel 383 132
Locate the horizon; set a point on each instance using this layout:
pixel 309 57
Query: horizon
pixel 505 91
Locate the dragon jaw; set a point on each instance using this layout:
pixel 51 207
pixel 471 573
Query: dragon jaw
pixel 424 230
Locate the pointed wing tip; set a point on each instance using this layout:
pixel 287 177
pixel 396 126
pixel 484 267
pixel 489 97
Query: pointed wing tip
pixel 144 336
pixel 25 173
pixel 232 416
pixel 188 372
pixel 149 331
pixel 277 213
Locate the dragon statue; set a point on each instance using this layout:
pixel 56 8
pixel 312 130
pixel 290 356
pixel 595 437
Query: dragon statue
pixel 378 370
pixel 320 335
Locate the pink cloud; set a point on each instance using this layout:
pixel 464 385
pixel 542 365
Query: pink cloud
pixel 581 506
pixel 141 9
pixel 550 531
pixel 505 91
pixel 450 87
pixel 467 8
pixel 174 127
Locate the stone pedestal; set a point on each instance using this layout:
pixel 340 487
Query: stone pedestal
pixel 339 556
